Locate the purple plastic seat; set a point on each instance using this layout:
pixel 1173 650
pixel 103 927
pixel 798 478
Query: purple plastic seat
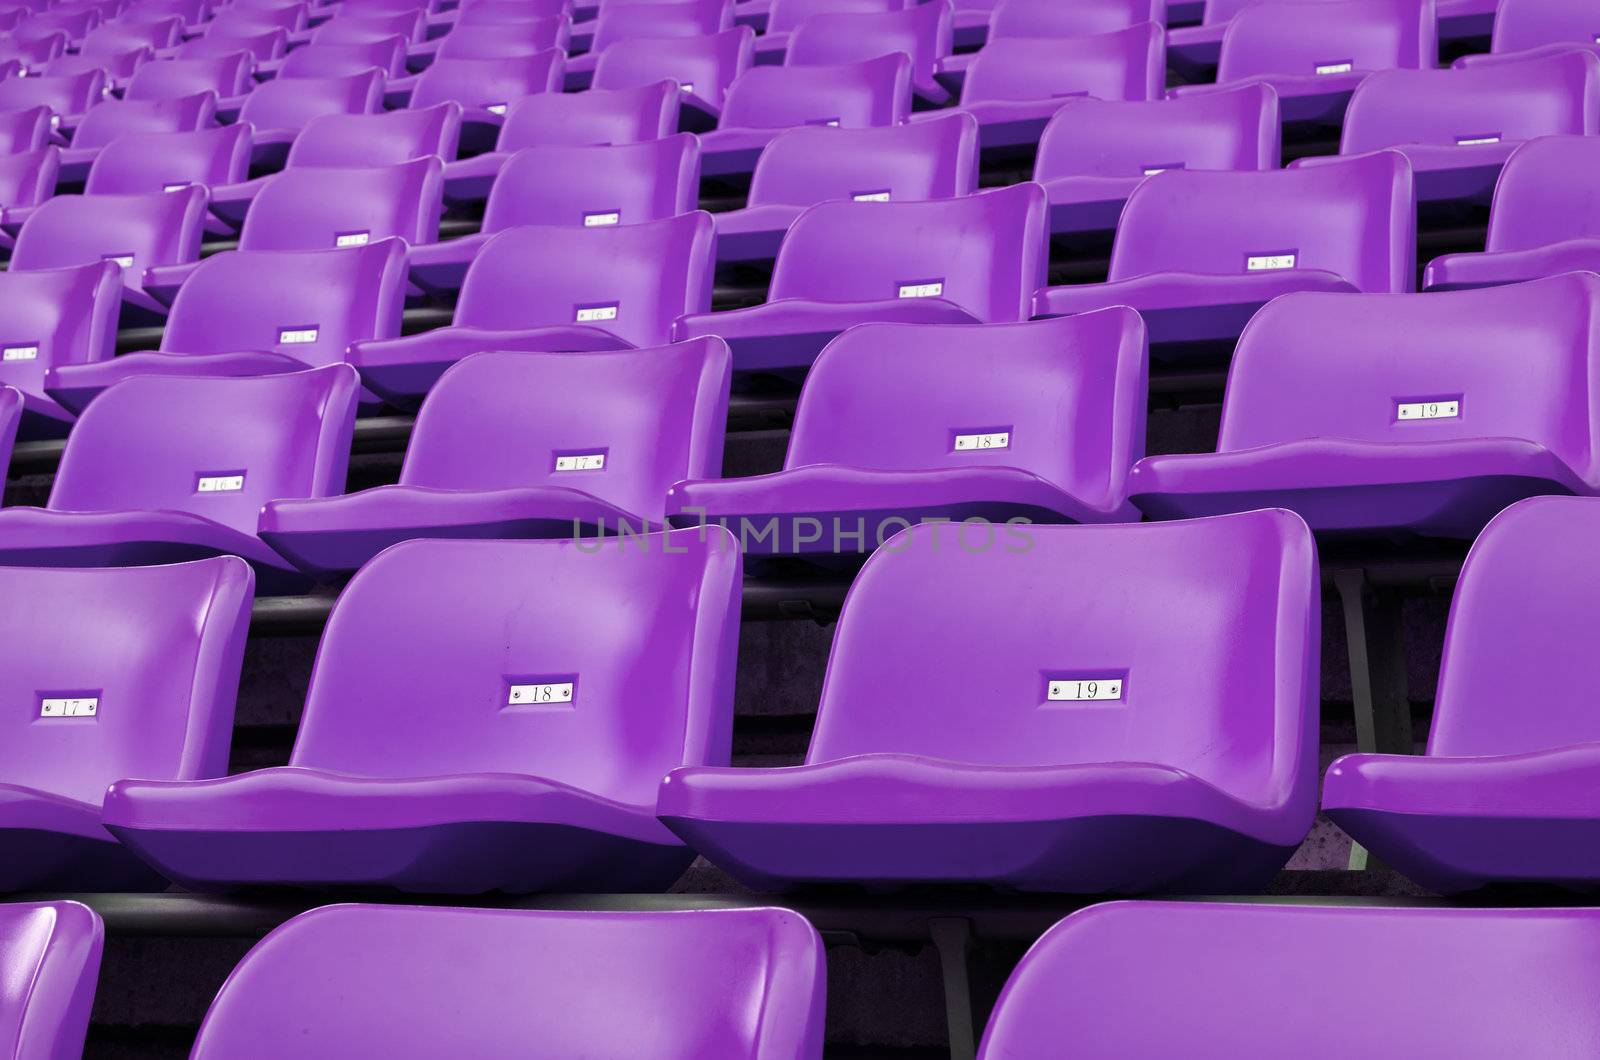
pixel 1044 19
pixel 133 231
pixel 226 75
pixel 49 963
pixel 24 130
pixel 1049 758
pixel 902 423
pixel 898 163
pixel 1536 27
pixel 114 42
pixel 68 96
pixel 310 208
pixel 1504 792
pixel 140 163
pixel 497 737
pixel 1457 127
pixel 921 31
pixel 1094 153
pixel 248 313
pixel 192 12
pixel 1148 980
pixel 485 89
pixel 352 141
pixel 1426 420
pixel 568 288
pixel 165 468
pixel 1197 252
pixel 592 187
pixel 726 983
pixel 703 67
pixel 765 100
pixel 1315 55
pixel 1017 84
pixel 50 317
pixel 647 21
pixel 237 19
pixel 1545 219
pixel 968 260
pixel 280 109
pixel 786 16
pixel 112 118
pixel 27 178
pixel 493 40
pixel 150 693
pixel 262 45
pixel 530 445
pixel 32 52
pixel 345 58
pixel 116 66
pixel 357 26
pixel 594 116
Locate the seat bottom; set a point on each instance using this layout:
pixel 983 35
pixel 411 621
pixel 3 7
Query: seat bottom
pixel 53 843
pixel 790 332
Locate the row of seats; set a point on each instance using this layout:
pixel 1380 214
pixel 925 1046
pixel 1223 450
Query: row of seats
pixel 556 716
pixel 1432 413
pixel 1124 980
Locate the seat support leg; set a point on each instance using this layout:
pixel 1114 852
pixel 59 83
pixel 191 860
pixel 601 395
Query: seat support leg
pixel 953 938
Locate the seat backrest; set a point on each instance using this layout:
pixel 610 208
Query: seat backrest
pixel 497 12
pixel 596 116
pixel 934 159
pixel 291 103
pixel 1233 128
pixel 33 51
pixel 705 66
pixel 50 317
pixel 1081 18
pixel 155 442
pixel 308 304
pixel 504 420
pixel 923 31
pixel 66 95
pixel 633 280
pixel 148 658
pixel 1523 24
pixel 1221 615
pixel 50 960
pixel 29 177
pixel 1355 218
pixel 493 84
pixel 345 58
pixel 656 21
pixel 226 75
pixel 596 186
pixel 1482 103
pixel 786 15
pixel 24 130
pixel 1515 655
pixel 192 12
pixel 491 40
pixel 364 27
pixel 1217 12
pixel 1064 399
pixel 309 208
pixel 588 663
pixel 115 37
pixel 1126 64
pixel 135 231
pixel 260 44
pixel 985 252
pixel 1544 194
pixel 1334 36
pixel 1142 980
pixel 1519 361
pixel 136 163
pixel 601 984
pixel 382 139
pixel 118 117
pixel 855 95
pixel 242 18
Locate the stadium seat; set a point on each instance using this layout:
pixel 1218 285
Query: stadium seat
pixel 162 469
pixel 746 983
pixel 974 259
pixel 74 24
pixel 345 58
pixel 151 694
pixel 1016 85
pixel 354 25
pixel 239 19
pixel 485 89
pixel 68 96
pixel 116 66
pixel 542 288
pixel 788 15
pixel 49 964
pixel 593 187
pixel 24 130
pixel 1315 56
pixel 1193 51
pixel 922 31
pixel 1045 19
pixel 1457 127
pixel 765 100
pixel 804 166
pixel 489 40
pixel 577 119
pixel 1502 794
pixel 901 423
pixel 312 208
pixel 1046 757
pixel 51 317
pixel 517 731
pixel 134 231
pixel 1426 419
pixel 1197 253
pixel 140 163
pixel 530 445
pixel 1094 153
pixel 1145 980
pixel 27 178
pixel 225 75
pixel 262 45
pixel 1525 28
pixel 112 118
pixel 194 13
pixel 703 67
pixel 18 53
pixel 279 110
pixel 303 308
pixel 646 21
pixel 1545 219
